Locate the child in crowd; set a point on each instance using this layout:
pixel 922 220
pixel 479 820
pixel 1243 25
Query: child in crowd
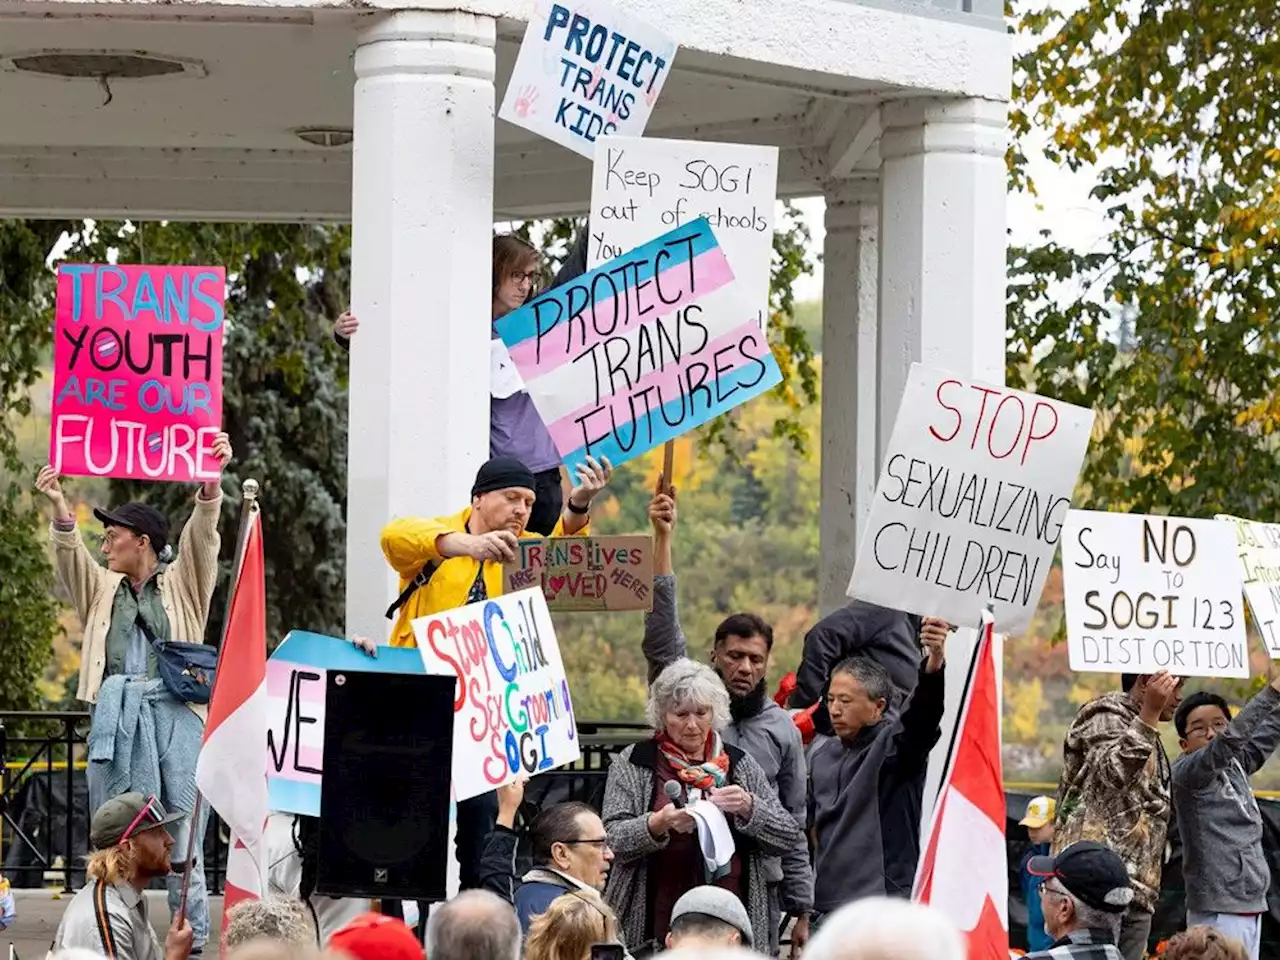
pixel 1039 823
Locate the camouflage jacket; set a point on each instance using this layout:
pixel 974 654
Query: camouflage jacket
pixel 1115 790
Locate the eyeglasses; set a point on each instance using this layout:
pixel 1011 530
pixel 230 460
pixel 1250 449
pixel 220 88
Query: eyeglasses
pixel 602 843
pixel 1046 888
pixel 1217 726
pixel 115 533
pixel 151 815
pixel 521 276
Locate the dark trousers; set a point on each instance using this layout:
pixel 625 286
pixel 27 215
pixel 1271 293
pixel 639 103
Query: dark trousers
pixel 546 508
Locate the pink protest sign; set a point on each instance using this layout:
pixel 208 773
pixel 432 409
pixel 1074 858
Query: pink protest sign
pixel 137 371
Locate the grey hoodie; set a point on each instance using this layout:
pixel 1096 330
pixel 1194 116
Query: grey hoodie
pixel 1218 819
pixel 770 738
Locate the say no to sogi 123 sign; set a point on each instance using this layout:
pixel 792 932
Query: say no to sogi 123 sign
pixel 1146 593
pixel 137 371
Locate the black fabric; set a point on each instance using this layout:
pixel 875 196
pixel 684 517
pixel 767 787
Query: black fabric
pixel 502 473
pixel 38 811
pixel 549 503
pixel 476 819
pixel 417 583
pixel 889 637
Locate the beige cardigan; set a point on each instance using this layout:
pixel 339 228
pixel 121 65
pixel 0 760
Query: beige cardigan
pixel 186 588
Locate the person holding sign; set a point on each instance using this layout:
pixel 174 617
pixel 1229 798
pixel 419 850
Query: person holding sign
pixel 1115 789
pixel 1226 873
pixel 144 596
pixel 740 655
pixel 449 562
pixel 866 783
pixel 515 428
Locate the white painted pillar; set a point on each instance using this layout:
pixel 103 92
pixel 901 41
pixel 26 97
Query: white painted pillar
pixel 422 214
pixel 849 450
pixel 942 278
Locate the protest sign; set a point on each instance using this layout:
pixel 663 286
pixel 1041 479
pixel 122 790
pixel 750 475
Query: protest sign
pixel 622 359
pixel 513 716
pixel 586 573
pixel 643 187
pixel 1258 547
pixel 585 70
pixel 137 371
pixel 976 482
pixel 297 674
pixel 1146 593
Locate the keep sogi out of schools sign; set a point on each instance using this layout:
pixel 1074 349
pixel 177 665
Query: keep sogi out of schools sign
pixel 975 486
pixel 137 371
pixel 1147 593
pixel 513 716
pixel 586 69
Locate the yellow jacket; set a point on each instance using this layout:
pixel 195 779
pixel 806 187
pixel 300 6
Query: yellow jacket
pixel 409 543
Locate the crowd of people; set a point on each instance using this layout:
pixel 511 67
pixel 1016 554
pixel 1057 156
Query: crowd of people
pixel 821 796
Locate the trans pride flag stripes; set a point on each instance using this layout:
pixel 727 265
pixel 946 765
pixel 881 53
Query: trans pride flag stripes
pixel 621 359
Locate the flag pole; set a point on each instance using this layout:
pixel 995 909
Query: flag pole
pixel 248 508
pixel 964 698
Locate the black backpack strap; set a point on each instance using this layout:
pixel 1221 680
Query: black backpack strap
pixel 104 920
pixel 421 580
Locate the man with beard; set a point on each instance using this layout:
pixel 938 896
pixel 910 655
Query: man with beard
pixel 760 728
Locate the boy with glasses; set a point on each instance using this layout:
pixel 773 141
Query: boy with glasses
pixel 1223 865
pixel 109 913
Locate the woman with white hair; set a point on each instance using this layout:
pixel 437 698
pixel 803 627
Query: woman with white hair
pixel 879 928
pixel 657 856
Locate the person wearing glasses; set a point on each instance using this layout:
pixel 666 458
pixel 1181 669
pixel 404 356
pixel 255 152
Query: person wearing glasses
pixel 144 595
pixel 1085 894
pixel 570 853
pixel 866 784
pixel 515 427
pixel 108 915
pixel 1223 866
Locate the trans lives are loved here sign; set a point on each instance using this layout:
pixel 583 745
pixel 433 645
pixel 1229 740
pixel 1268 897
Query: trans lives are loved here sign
pixel 641 188
pixel 137 371
pixel 1258 547
pixel 513 716
pixel 586 573
pixel 297 678
pixel 976 483
pixel 1146 593
pixel 623 358
pixel 586 69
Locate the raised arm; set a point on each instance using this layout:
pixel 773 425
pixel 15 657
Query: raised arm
pixel 828 642
pixel 591 478
pixel 196 567
pixel 498 860
pixel 80 574
pixel 1250 739
pixel 1116 749
pixel 664 642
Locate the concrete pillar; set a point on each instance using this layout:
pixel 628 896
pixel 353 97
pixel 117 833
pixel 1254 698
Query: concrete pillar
pixel 422 214
pixel 849 450
pixel 942 279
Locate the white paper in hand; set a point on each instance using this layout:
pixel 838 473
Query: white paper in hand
pixel 504 378
pixel 713 836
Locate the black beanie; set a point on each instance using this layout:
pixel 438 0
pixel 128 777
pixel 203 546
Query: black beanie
pixel 501 473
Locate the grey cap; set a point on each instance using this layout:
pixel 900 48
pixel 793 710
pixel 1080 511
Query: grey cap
pixel 112 820
pixel 718 903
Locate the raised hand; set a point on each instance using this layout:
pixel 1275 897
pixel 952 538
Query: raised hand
pixel 346 326
pixel 592 477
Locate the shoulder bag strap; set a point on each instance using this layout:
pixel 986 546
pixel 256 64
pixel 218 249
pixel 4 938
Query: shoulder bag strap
pixel 421 580
pixel 104 919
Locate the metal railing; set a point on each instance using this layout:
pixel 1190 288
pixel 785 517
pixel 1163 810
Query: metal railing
pixel 44 796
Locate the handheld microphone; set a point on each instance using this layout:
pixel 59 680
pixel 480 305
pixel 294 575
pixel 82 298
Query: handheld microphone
pixel 675 793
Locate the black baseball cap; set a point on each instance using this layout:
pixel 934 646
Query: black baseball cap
pixel 1090 871
pixel 140 518
pixel 126 816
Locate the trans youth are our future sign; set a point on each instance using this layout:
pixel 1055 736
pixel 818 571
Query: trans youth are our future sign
pixel 137 371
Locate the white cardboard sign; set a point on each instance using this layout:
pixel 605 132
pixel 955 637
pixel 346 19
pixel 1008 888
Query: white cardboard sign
pixel 976 482
pixel 513 716
pixel 1147 593
pixel 643 188
pixel 585 70
pixel 1258 547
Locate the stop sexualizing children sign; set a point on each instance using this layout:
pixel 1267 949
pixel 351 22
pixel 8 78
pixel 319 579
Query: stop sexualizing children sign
pixel 137 371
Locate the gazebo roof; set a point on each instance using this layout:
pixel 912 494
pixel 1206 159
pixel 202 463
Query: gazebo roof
pixel 218 138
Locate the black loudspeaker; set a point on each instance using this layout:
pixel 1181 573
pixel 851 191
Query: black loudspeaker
pixel 384 803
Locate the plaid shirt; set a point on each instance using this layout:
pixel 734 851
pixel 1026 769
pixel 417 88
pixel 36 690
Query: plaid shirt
pixel 1081 945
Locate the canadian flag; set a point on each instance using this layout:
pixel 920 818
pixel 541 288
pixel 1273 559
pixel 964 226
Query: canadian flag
pixel 231 771
pixel 963 870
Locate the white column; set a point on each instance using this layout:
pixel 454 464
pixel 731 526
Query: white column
pixel 422 214
pixel 942 243
pixel 942 279
pixel 849 451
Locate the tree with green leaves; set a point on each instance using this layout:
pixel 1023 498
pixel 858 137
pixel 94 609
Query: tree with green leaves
pixel 1169 328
